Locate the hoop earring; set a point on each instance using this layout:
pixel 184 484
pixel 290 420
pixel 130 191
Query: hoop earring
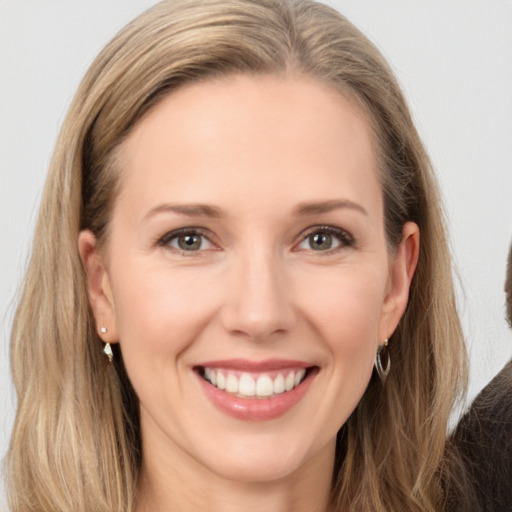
pixel 383 361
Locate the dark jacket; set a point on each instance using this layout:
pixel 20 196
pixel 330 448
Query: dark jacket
pixel 484 440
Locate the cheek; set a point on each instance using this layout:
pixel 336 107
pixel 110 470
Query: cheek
pixel 345 306
pixel 159 315
pixel 159 310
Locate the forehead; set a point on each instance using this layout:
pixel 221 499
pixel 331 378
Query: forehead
pixel 264 135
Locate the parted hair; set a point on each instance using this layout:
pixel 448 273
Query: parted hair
pixel 76 442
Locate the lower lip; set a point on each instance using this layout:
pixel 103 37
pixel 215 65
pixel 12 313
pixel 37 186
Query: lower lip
pixel 256 409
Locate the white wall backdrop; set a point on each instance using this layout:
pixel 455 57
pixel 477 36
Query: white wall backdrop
pixel 453 58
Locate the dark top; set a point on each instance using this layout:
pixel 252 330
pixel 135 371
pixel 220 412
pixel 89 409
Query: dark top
pixel 484 439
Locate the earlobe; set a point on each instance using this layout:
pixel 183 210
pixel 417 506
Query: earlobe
pixel 402 271
pixel 98 285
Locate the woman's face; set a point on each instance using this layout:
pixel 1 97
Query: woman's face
pixel 247 276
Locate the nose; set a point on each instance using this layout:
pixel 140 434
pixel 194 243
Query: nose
pixel 258 301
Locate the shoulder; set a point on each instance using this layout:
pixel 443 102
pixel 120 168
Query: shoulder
pixel 484 440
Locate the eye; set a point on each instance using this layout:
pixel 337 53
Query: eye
pixel 186 240
pixel 325 238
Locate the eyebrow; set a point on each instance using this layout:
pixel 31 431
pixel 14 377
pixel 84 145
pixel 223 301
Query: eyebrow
pixel 319 207
pixel 303 209
pixel 191 210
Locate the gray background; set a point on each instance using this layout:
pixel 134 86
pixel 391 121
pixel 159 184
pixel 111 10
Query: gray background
pixel 453 59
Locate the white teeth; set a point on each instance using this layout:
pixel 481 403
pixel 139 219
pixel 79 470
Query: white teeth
pixel 264 386
pixel 298 377
pixel 221 381
pixel 249 385
pixel 231 384
pixel 279 384
pixel 288 382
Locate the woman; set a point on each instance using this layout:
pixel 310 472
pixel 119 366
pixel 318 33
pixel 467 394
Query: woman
pixel 234 208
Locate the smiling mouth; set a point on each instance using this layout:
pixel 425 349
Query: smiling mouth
pixel 259 385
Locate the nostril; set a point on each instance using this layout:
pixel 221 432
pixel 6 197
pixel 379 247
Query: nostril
pixel 257 325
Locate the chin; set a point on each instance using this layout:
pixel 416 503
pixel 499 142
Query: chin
pixel 263 459
pixel 256 471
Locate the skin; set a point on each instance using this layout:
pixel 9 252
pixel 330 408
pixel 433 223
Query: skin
pixel 257 149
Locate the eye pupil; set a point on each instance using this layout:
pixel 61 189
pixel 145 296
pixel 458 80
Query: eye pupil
pixel 320 241
pixel 189 242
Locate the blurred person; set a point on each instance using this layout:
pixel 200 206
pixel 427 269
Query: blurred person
pixel 484 434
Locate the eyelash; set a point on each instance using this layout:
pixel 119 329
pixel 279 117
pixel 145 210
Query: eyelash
pixel 165 240
pixel 344 238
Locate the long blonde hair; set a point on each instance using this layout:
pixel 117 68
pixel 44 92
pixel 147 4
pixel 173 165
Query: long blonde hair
pixel 76 440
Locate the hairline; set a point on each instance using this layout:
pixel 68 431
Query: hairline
pixel 118 162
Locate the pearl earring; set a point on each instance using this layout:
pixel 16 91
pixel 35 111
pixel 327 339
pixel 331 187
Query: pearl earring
pixel 107 349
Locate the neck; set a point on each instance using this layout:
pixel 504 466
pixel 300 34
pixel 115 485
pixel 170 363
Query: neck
pixel 186 486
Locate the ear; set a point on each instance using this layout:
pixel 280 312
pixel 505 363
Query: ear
pixel 402 267
pixel 98 284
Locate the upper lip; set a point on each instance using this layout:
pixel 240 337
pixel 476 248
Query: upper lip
pixel 255 366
